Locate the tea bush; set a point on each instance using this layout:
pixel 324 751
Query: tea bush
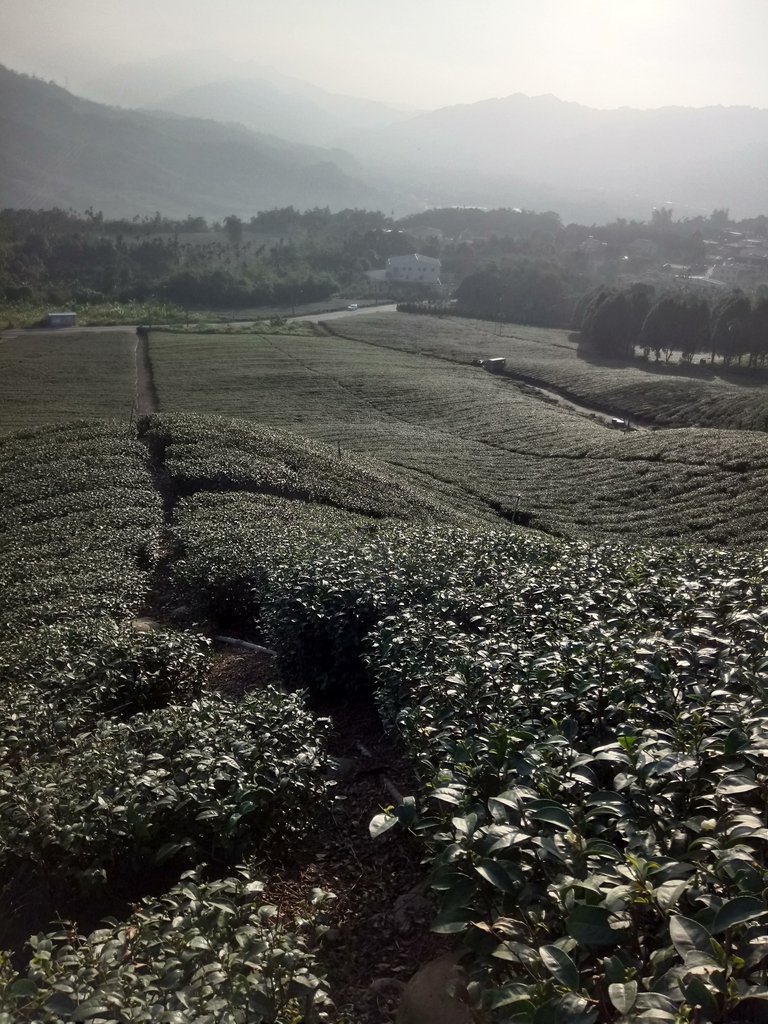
pixel 60 679
pixel 198 781
pixel 593 738
pixel 205 453
pixel 319 613
pixel 234 544
pixel 80 524
pixel 208 951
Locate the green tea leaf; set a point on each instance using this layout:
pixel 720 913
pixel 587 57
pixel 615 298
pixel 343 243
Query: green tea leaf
pixel 381 823
pixel 560 966
pixel 688 935
pixel 737 911
pixel 590 926
pixel 623 996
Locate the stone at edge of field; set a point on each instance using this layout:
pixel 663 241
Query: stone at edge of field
pixel 427 998
pixel 143 625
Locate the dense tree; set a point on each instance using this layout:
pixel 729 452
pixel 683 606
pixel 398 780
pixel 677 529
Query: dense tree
pixel 610 326
pixel 758 331
pixel 730 336
pixel 233 229
pixel 676 322
pixel 524 290
pixel 640 298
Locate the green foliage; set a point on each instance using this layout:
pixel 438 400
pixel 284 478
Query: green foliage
pixel 677 322
pixel 589 726
pixel 208 779
pixel 612 318
pixel 60 679
pixel 237 545
pixel 731 335
pixel 50 378
pixel 73 545
pixel 205 951
pixel 94 311
pixel 523 290
pixel 592 735
pixel 204 454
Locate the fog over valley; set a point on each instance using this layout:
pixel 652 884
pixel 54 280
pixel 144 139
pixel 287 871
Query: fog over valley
pixel 594 110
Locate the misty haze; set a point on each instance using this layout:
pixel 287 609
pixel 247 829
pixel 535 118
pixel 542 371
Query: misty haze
pixel 383 490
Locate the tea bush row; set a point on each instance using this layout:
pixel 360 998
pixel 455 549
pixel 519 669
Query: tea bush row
pixel 203 781
pixel 312 583
pixel 72 545
pixel 115 763
pixel 211 454
pixel 594 742
pixel 208 951
pixel 589 724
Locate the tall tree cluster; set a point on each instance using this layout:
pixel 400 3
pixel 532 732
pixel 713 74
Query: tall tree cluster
pixel 522 290
pixel 616 322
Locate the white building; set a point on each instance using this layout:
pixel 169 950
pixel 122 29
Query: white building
pixel 413 269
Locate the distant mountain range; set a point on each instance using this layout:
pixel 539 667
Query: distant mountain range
pixel 60 150
pixel 240 145
pixel 524 150
pixel 252 94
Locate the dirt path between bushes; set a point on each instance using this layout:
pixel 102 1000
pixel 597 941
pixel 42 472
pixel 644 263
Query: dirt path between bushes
pixel 379 919
pixel 147 400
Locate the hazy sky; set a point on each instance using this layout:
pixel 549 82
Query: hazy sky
pixel 422 53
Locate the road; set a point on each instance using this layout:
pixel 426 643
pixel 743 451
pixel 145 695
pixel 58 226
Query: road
pixel 362 311
pixel 555 398
pixel 310 317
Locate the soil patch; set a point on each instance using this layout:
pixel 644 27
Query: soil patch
pixel 235 673
pixel 379 919
pixel 379 922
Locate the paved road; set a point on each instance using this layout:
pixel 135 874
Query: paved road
pixel 362 311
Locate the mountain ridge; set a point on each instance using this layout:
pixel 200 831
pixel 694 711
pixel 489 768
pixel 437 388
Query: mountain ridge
pixel 62 150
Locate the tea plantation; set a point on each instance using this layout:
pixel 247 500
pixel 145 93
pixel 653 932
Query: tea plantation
pixel 475 440
pixel 659 393
pixel 48 378
pixel 585 718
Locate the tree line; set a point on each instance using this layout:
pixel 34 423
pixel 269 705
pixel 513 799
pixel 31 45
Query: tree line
pixel 279 257
pixel 509 264
pixel 616 322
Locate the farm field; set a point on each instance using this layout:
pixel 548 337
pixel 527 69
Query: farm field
pixel 52 378
pixel 478 441
pixel 559 742
pixel 660 394
pixel 585 726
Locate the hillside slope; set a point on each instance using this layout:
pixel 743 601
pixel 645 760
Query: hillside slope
pixel 60 150
pixel 578 731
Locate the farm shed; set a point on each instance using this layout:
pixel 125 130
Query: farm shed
pixel 63 319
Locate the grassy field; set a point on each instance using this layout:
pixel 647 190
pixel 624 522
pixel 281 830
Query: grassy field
pixel 50 378
pixel 478 441
pixel 657 393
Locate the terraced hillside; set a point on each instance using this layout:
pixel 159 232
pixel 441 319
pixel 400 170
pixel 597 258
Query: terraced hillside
pixel 661 394
pixel 578 730
pixel 478 441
